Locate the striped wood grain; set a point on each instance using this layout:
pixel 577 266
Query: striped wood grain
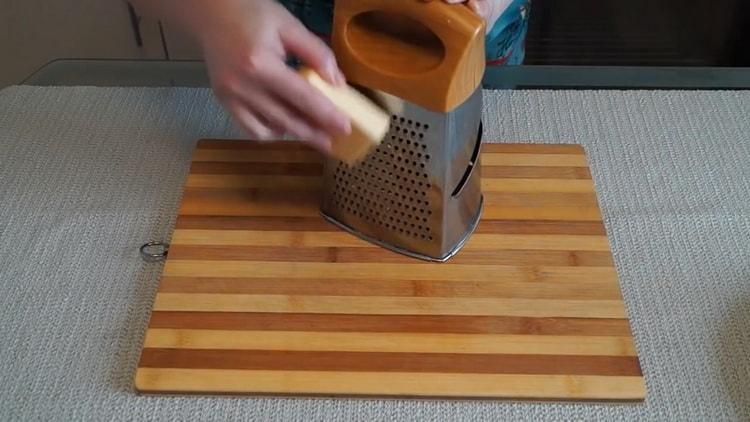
pixel 261 296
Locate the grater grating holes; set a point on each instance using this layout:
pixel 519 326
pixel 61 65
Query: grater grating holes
pixel 389 188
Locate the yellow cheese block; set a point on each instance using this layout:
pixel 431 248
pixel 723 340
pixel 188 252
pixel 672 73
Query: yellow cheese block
pixel 370 123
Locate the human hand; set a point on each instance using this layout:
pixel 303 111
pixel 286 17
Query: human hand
pixel 489 10
pixel 246 43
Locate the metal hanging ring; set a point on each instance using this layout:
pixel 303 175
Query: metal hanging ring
pixel 154 251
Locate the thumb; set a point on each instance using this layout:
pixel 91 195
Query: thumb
pixel 312 51
pixel 490 10
pixel 481 8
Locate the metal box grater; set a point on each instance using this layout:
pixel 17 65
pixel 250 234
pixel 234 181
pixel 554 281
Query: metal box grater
pixel 419 193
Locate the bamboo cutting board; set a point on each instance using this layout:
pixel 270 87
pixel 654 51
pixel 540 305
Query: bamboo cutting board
pixel 260 295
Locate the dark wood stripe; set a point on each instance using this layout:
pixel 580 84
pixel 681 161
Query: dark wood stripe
pixel 390 362
pixel 248 201
pixel 401 288
pixel 534 148
pixel 288 169
pixel 370 254
pixel 390 323
pixel 319 224
pixel 270 195
pixel 251 145
pixel 532 172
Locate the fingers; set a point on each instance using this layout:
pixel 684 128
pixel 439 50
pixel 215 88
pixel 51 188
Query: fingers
pixel 294 90
pixel 490 10
pixel 312 51
pixel 322 146
pixel 249 122
pixel 308 101
pixel 277 114
pixel 449 1
pixel 481 8
pixel 261 129
pixel 486 9
pixel 269 99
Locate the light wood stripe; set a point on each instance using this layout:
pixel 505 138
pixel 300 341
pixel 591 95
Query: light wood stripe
pixel 316 169
pixel 389 342
pixel 377 305
pixel 542 200
pixel 479 241
pixel 524 258
pixel 572 213
pixel 260 168
pixel 476 363
pixel 533 160
pixel 266 238
pixel 459 324
pixel 223 204
pixel 315 183
pixel 538 185
pixel 390 384
pixel 535 172
pixel 250 156
pixel 224 181
pixel 359 255
pixel 401 288
pixel 495 226
pixel 316 224
pixel 386 272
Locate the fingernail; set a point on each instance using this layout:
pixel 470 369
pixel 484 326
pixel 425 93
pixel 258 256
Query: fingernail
pixel 331 69
pixel 326 146
pixel 263 134
pixel 322 142
pixel 305 134
pixel 343 124
pixel 334 74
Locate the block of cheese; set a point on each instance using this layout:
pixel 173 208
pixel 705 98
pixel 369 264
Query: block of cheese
pixel 370 123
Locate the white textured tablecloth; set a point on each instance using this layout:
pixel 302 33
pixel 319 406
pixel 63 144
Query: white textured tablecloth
pixel 89 174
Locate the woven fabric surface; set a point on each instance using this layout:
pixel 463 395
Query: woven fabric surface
pixel 87 175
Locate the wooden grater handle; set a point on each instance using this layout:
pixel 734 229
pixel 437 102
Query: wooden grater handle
pixel 428 53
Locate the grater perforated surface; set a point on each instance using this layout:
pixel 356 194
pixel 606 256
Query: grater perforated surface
pixel 390 188
pixel 419 192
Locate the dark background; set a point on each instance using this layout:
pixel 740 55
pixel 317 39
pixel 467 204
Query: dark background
pixel 639 33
